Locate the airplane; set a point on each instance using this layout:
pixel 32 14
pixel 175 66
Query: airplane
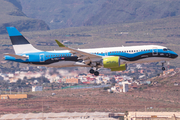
pixel 113 58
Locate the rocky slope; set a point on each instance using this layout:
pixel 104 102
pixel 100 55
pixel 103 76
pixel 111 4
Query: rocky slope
pixel 73 13
pixel 11 15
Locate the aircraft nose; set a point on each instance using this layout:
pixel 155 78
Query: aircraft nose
pixel 174 55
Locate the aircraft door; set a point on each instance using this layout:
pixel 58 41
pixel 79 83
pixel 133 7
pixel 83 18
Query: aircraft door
pixel 154 52
pixel 106 53
pixel 41 57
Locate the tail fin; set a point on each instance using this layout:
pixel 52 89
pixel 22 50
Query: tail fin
pixel 19 42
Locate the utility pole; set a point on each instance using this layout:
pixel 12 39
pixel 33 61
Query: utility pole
pixel 18 89
pixel 175 117
pixel 10 89
pixel 22 90
pixel 43 110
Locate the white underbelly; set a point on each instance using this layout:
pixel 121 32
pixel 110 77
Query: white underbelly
pixel 150 59
pixel 61 64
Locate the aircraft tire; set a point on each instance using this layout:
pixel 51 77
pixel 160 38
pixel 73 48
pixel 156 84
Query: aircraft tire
pixel 91 71
pixel 96 73
pixel 163 68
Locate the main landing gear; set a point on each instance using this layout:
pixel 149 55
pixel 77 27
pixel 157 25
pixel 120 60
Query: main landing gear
pixel 96 73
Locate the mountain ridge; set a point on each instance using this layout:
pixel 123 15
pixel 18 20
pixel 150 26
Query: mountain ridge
pixel 62 14
pixel 11 15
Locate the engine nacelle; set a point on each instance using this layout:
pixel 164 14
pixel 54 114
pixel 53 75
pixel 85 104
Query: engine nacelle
pixel 111 62
pixel 114 63
pixel 121 68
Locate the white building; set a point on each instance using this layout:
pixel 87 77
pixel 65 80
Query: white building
pixel 125 87
pixel 10 75
pixel 36 88
pixel 113 88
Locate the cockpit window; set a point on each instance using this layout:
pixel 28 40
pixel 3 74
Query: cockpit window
pixel 165 49
pixel 169 49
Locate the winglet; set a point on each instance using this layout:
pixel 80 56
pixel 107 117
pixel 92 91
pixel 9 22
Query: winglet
pixel 60 44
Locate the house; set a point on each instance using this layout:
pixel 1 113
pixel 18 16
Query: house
pixel 36 88
pixel 176 84
pixel 134 85
pixel 125 87
pixel 14 96
pixel 73 81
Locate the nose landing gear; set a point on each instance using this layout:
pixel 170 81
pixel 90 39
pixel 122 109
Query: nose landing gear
pixel 163 68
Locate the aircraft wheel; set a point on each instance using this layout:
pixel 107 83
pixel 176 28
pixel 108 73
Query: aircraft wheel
pixel 163 68
pixel 91 71
pixel 96 73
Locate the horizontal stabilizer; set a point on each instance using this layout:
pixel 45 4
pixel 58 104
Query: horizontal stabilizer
pixel 16 56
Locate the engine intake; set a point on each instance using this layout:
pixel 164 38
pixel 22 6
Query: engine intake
pixel 111 62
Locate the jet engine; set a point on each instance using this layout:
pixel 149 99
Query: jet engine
pixel 114 63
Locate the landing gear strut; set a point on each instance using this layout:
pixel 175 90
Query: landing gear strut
pixel 163 68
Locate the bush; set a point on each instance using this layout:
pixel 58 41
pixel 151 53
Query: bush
pixel 105 88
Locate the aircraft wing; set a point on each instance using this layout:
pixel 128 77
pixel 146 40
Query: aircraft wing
pixel 16 56
pixel 86 57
